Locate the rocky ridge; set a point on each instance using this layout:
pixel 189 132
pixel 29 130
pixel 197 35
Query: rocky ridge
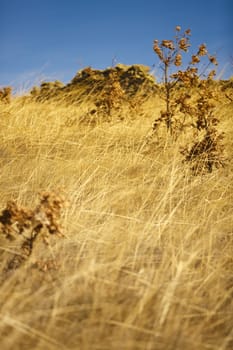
pixel 133 79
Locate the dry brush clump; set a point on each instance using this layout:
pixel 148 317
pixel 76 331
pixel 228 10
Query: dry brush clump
pixel 111 97
pixel 6 94
pixel 47 90
pixel 28 225
pixel 190 99
pixel 116 90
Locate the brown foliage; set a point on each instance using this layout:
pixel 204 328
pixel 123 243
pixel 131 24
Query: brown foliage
pixel 112 96
pixel 29 224
pixel 206 154
pixel 182 109
pixel 5 94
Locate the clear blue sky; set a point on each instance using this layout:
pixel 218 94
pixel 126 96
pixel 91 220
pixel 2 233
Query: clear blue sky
pixel 53 39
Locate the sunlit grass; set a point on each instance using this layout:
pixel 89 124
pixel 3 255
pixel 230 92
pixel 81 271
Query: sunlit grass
pixel 146 261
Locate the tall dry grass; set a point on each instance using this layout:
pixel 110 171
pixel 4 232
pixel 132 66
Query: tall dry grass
pixel 146 261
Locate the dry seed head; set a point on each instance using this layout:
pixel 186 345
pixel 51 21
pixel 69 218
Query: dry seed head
pixel 213 60
pixel 157 49
pixel 188 32
pixel 202 50
pixel 183 44
pixel 195 59
pixel 212 74
pixel 178 60
pixel 169 44
pixel 178 28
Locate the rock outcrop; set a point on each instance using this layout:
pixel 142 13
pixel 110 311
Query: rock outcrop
pixel 133 79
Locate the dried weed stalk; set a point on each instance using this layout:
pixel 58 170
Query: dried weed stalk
pixel 190 98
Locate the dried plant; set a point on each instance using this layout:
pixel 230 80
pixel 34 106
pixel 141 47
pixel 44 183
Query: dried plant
pixel 189 95
pixel 207 153
pixel 169 53
pixel 5 94
pixel 112 96
pixel 17 222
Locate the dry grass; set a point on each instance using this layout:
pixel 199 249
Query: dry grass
pixel 146 261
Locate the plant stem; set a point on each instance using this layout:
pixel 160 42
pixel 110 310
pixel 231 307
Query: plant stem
pixel 167 88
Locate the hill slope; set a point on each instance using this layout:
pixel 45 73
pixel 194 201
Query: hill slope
pixel 145 260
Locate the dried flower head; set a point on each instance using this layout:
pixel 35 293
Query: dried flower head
pixel 157 49
pixel 195 59
pixel 188 32
pixel 213 60
pixel 169 44
pixel 212 74
pixel 202 50
pixel 184 44
pixel 178 60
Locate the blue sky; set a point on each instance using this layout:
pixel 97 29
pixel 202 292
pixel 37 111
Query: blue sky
pixel 53 39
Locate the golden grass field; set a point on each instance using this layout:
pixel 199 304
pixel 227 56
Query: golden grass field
pixel 146 259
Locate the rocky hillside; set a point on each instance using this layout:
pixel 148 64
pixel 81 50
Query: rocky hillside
pixel 133 79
